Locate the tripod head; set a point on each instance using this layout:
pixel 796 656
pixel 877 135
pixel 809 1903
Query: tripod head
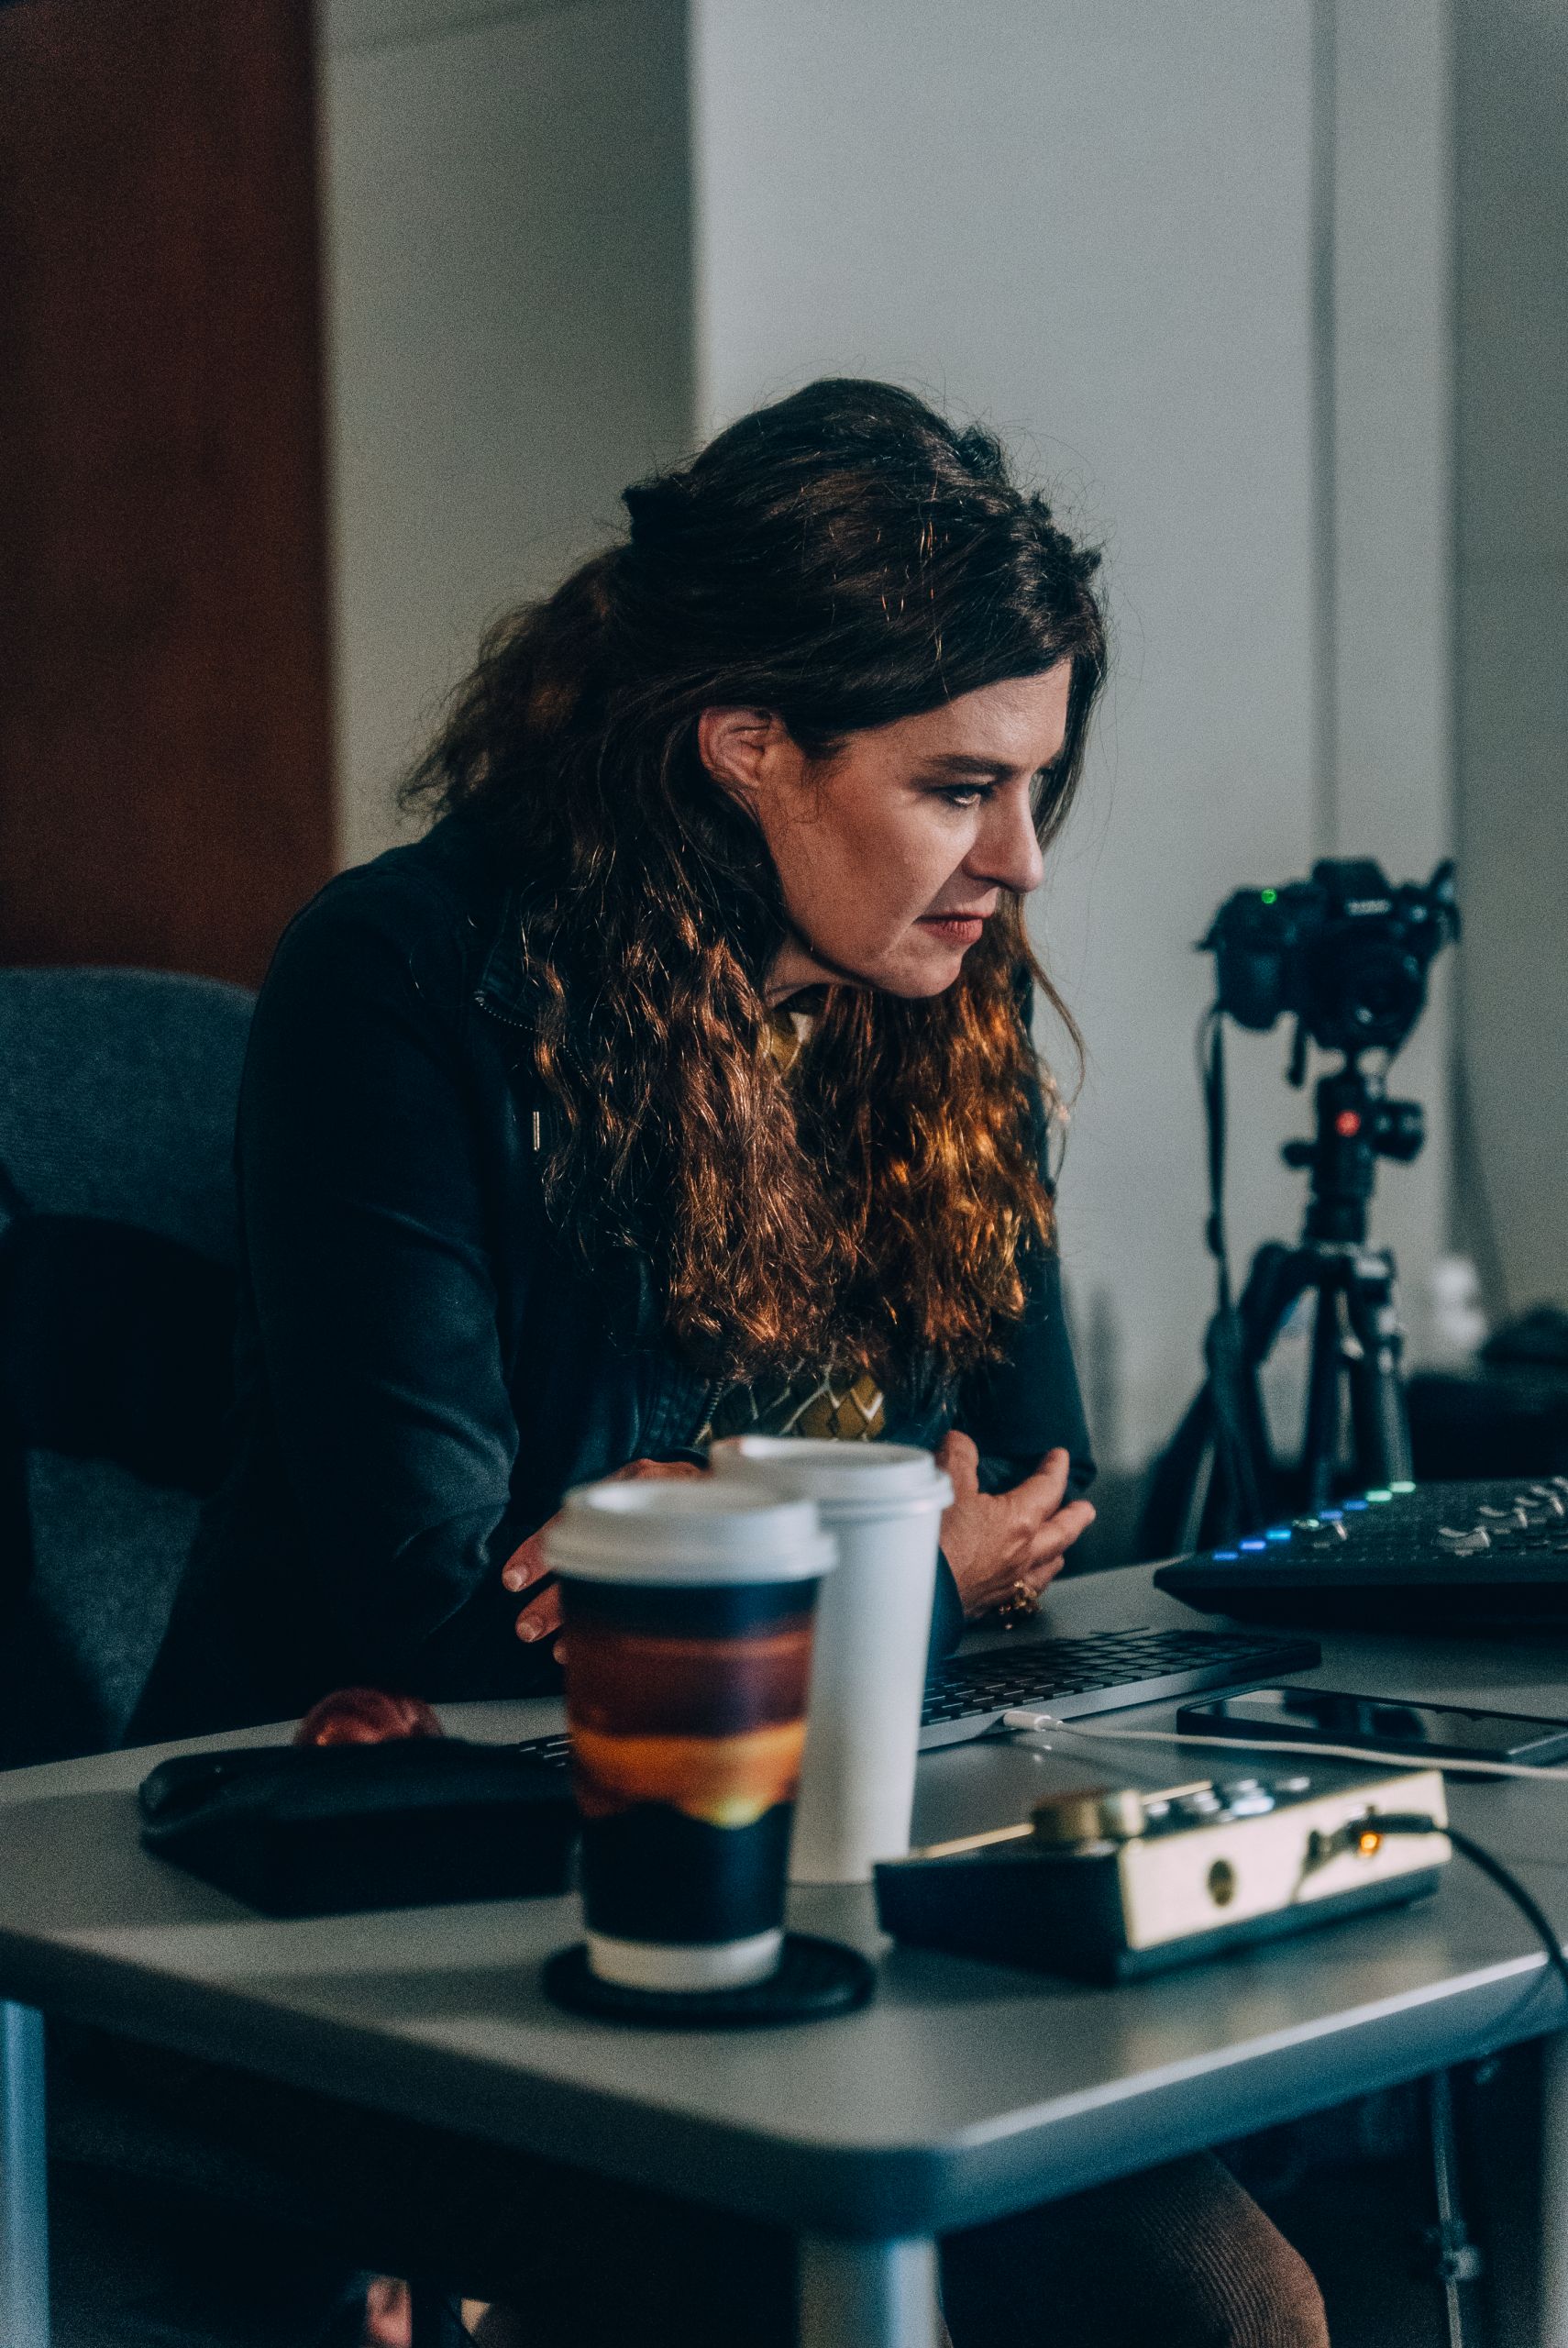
pixel 1346 954
pixel 1356 1125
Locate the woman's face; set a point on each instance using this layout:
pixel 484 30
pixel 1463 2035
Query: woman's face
pixel 892 853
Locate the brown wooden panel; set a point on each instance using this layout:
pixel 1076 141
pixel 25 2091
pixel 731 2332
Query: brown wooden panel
pixel 165 779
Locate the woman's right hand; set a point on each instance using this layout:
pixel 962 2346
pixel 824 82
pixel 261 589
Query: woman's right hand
pixel 1000 1545
pixel 542 1618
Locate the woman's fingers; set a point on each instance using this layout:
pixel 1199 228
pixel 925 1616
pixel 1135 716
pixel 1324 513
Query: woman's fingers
pixel 637 1470
pixel 1045 1491
pixel 541 1617
pixel 1056 1538
pixel 525 1566
pixel 526 1562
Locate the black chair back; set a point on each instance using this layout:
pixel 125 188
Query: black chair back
pixel 117 1092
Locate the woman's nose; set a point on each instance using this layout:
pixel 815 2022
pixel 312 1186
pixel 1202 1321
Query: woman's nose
pixel 1006 852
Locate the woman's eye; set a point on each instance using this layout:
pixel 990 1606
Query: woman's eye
pixel 967 794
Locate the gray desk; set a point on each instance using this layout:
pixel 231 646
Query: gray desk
pixel 964 2092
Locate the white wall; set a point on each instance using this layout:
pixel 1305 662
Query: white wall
pixel 1512 196
pixel 1087 222
pixel 1389 787
pixel 507 270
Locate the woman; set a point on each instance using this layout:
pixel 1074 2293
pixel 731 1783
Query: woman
pixel 523 1196
pixel 679 1081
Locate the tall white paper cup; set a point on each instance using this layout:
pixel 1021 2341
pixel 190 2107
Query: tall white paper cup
pixel 883 1504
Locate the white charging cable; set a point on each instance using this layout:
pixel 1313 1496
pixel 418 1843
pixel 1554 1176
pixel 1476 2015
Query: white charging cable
pixel 1027 1719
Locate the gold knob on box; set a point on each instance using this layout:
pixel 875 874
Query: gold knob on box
pixel 1092 1814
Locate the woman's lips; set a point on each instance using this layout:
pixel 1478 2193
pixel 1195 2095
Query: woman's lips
pixel 961 932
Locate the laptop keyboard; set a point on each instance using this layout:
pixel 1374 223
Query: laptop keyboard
pixel 1103 1673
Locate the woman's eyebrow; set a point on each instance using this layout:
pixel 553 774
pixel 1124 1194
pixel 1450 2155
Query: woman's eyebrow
pixel 964 762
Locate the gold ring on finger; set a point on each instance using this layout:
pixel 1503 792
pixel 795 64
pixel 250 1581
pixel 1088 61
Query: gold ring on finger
pixel 1022 1601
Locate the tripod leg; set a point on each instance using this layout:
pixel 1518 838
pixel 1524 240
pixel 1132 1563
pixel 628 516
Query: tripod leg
pixel 1377 1393
pixel 1236 1499
pixel 1216 1476
pixel 1245 1466
pixel 1320 1449
pixel 1179 1484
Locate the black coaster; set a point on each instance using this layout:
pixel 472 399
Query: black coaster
pixel 815 1978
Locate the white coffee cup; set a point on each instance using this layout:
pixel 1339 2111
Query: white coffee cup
pixel 883 1504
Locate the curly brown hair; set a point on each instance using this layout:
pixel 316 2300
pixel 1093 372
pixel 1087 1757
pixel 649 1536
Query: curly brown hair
pixel 843 558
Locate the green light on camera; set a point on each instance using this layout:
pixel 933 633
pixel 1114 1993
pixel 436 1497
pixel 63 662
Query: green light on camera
pixel 1269 896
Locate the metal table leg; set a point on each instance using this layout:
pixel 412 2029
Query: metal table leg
pixel 1555 2191
pixel 24 2181
pixel 868 2294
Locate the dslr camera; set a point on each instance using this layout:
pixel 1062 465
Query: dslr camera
pixel 1346 953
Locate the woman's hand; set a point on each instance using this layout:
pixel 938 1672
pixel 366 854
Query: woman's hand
pixel 525 1566
pixel 996 1542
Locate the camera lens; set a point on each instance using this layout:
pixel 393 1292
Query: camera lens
pixel 1371 990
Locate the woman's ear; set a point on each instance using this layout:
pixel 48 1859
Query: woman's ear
pixel 738 746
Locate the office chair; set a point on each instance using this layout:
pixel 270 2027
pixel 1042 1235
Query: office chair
pixel 117 1092
pixel 117 1096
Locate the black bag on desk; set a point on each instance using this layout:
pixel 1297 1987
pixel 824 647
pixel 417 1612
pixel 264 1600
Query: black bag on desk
pixel 321 1830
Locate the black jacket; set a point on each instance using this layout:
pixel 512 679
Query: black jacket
pixel 422 1371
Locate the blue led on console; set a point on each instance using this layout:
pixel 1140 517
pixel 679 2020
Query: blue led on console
pixel 1254 1545
pixel 1278 1532
pixel 1350 1504
pixel 1227 1556
pixel 1330 1516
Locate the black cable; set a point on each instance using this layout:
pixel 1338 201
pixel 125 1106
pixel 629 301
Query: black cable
pixel 1211 1066
pixel 1225 1345
pixel 1412 1823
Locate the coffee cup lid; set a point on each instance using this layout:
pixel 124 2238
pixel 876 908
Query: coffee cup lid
pixel 686 1533
pixel 869 1477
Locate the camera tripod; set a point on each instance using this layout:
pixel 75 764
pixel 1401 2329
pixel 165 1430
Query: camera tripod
pixel 1218 1476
